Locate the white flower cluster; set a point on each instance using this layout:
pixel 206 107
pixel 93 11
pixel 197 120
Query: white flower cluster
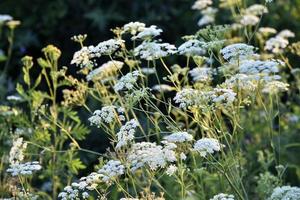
pixel 207 146
pixel 148 70
pixel 150 154
pixel 133 28
pixel 267 30
pixel 148 33
pixel 201 4
pixel 111 170
pixel 107 114
pixel 222 96
pixel 238 51
pixel 23 168
pixel 192 48
pixel 163 88
pixel 84 56
pixel 201 74
pixel 179 137
pixel 278 43
pixel 208 16
pixel 106 70
pixel 265 70
pixel 285 193
pixel 251 15
pixel 223 196
pixel 127 82
pixel 274 87
pixel 241 81
pixel 16 154
pixel 126 133
pixel 171 170
pixel 4 18
pixel 154 50
pixel 187 97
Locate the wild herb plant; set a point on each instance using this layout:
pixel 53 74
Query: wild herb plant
pixel 217 127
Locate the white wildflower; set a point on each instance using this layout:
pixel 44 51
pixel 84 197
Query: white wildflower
pixel 16 154
pixel 249 20
pixel 150 154
pixel 285 193
pixel 111 170
pixel 241 81
pixel 107 114
pixel 201 4
pixel 148 70
pixel 133 28
pixel 105 70
pixel 148 33
pixel 153 50
pixel 182 156
pixel 23 168
pixel 4 18
pixel 207 145
pixel 163 88
pixel 286 34
pixel 237 51
pixel 14 98
pixel 274 87
pixel 208 16
pixel 223 196
pixel 201 74
pixel 192 48
pixel 171 170
pixel 267 30
pixel 126 133
pixel 127 82
pixel 179 137
pixel 256 9
pixel 276 44
pixel 222 96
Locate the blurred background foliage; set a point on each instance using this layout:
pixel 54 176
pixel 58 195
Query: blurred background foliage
pixel 56 21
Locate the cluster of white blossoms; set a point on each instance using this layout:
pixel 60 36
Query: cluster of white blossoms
pixel 241 82
pixel 179 137
pixel 111 170
pixel 285 193
pixel 16 154
pixel 265 70
pixel 267 31
pixel 84 56
pixel 187 97
pixel 150 154
pixel 238 51
pixel 171 170
pixel 153 50
pixel 107 114
pixel 148 33
pixel 133 28
pixel 148 70
pixel 192 47
pixel 278 43
pixel 104 71
pixel 201 74
pixel 126 133
pixel 223 196
pixel 207 146
pixel 251 15
pixel 201 4
pixel 127 82
pixel 5 18
pixel 275 87
pixel 23 168
pixel 208 16
pixel 162 88
pixel 222 96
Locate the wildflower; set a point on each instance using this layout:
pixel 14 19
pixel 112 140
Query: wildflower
pixel 201 4
pixel 249 20
pixel 256 9
pixel 105 70
pixel 133 28
pixel 223 196
pixel 171 170
pixel 208 16
pixel 237 51
pixel 182 156
pixel 23 168
pixel 4 18
pixel 16 154
pixel 148 33
pixel 126 133
pixel 14 98
pixel 222 96
pixel 179 137
pixel 241 81
pixel 107 114
pixel 201 74
pixel 187 97
pixel 150 154
pixel 285 193
pixel 148 71
pixel 267 30
pixel 192 48
pixel 274 87
pixel 127 81
pixel 276 44
pixel 153 50
pixel 111 170
pixel 163 88
pixel 207 145
pixel 286 34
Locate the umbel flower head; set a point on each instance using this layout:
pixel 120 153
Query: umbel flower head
pixel 207 146
pixel 238 51
pixel 223 196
